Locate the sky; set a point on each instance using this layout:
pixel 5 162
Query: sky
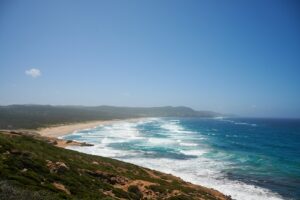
pixel 239 57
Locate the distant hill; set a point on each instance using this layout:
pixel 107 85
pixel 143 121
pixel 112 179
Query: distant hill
pixel 36 116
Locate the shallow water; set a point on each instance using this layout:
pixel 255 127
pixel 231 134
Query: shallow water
pixel 245 158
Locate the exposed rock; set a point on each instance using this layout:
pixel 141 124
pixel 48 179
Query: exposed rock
pixel 58 167
pixel 61 187
pixel 18 152
pixel 24 170
pixel 54 142
pixel 141 187
pixel 95 163
pixel 108 177
pixel 84 144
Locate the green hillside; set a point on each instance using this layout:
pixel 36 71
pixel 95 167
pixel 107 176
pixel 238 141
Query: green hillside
pixel 37 116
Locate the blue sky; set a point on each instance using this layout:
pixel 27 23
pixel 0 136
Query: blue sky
pixel 240 57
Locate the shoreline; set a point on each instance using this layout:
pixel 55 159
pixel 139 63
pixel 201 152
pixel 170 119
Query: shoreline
pixel 94 170
pixel 57 131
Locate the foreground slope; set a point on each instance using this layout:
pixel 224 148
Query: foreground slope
pixel 32 168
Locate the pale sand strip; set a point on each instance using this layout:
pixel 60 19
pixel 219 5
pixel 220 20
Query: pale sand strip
pixel 61 130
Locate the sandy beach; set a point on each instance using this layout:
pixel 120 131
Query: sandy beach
pixel 61 130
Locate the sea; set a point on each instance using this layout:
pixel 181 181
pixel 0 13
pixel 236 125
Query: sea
pixel 246 158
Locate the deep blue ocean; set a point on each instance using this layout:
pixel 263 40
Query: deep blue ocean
pixel 249 159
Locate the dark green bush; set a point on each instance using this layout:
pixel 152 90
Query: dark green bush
pixel 136 191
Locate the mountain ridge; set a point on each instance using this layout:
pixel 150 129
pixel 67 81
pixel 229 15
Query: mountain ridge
pixel 37 116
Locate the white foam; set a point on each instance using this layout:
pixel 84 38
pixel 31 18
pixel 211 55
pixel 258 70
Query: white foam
pixel 234 122
pixel 193 152
pixel 219 118
pixel 203 172
pixel 172 127
pixel 244 123
pixel 160 141
pixel 188 144
pixel 199 170
pixel 102 150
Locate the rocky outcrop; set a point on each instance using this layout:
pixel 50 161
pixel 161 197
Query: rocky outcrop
pixel 61 187
pixel 57 167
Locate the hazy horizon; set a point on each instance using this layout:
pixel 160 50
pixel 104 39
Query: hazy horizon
pixel 231 57
pixel 225 115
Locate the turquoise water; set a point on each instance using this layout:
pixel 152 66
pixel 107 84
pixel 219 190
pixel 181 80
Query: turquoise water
pixel 245 158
